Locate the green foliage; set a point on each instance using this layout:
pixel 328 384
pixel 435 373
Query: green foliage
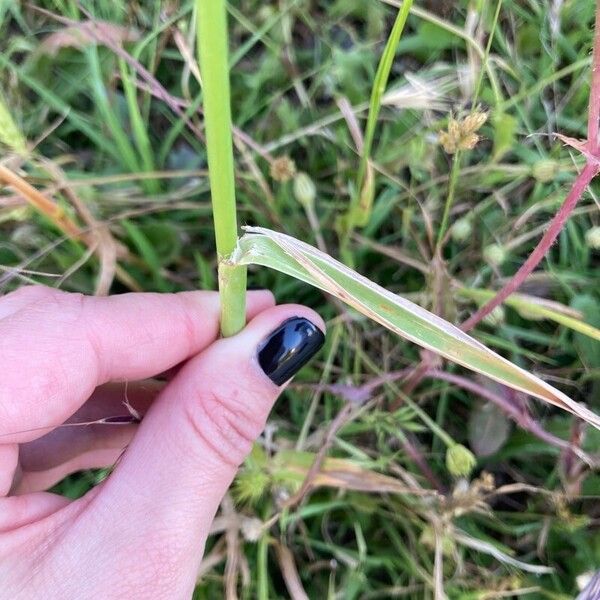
pixel 140 169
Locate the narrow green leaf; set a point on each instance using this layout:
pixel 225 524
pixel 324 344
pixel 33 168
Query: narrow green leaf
pixel 126 152
pixel 505 134
pixel 589 350
pixel 360 210
pixel 293 257
pixel 56 104
pixel 533 308
pixel 147 251
pixel 138 128
pixel 10 134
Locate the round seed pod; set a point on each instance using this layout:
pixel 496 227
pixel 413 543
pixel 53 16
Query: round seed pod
pixel 460 461
pixel 496 317
pixel 305 190
pixel 461 229
pixel 545 170
pixel 494 254
pixel 592 238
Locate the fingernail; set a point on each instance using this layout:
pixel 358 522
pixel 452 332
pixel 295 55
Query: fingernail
pixel 289 348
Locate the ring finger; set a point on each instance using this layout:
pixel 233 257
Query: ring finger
pixel 83 442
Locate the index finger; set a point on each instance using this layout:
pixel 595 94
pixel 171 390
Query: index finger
pixel 57 348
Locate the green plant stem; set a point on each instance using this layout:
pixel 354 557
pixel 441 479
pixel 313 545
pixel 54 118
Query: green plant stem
pixel 427 420
pixel 449 200
pixel 486 56
pixel 379 85
pixel 263 558
pixel 335 337
pixel 138 128
pixel 456 162
pixel 213 58
pixel 360 207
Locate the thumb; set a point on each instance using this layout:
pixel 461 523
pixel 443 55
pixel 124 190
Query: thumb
pixel 165 491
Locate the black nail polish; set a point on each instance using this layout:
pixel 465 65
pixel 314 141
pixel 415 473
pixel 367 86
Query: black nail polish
pixel 289 348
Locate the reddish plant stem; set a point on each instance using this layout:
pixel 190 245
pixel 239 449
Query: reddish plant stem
pixel 417 456
pixel 517 413
pixel 515 410
pixel 590 170
pixel 594 102
pixel 591 150
pixel 583 179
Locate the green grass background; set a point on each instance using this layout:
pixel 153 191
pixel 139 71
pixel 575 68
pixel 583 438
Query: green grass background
pixel 141 170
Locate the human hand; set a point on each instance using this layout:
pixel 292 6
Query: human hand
pixel 68 357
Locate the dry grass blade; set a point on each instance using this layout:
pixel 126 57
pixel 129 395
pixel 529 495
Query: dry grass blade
pixel 487 548
pixel 438 567
pixel 344 474
pixel 51 210
pixel 592 589
pixel 233 549
pixel 289 571
pixel 212 559
pixel 293 257
pixel 98 234
pixel 80 35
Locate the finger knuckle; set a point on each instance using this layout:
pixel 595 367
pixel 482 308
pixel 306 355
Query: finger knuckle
pixel 189 324
pixel 33 294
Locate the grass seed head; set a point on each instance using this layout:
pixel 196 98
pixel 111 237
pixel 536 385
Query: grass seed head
pixel 250 485
pixel 592 238
pixel 305 190
pixel 462 135
pixel 494 254
pixel 545 170
pixel 460 461
pixel 283 169
pixel 10 135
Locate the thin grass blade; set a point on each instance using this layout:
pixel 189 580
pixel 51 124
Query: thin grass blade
pixel 531 307
pixel 360 210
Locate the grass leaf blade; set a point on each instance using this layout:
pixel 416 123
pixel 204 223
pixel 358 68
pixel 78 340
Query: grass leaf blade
pixel 286 254
pixel 360 211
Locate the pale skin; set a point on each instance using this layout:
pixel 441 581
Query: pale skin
pixel 66 357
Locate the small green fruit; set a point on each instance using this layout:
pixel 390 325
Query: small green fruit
pixel 461 229
pixel 592 238
pixel 496 317
pixel 460 461
pixel 305 190
pixel 545 170
pixel 494 254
